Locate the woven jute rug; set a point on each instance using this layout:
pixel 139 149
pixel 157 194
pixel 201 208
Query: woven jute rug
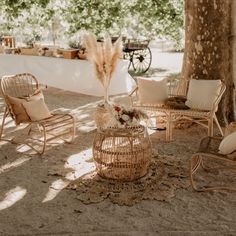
pixel 165 175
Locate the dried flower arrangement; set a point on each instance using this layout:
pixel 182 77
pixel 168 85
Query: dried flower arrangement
pixel 123 116
pixel 104 56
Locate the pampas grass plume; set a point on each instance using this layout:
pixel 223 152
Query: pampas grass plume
pixel 104 56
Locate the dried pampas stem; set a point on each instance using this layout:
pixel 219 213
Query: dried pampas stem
pixel 116 54
pixel 104 57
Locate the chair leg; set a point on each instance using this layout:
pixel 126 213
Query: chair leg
pixel 194 163
pixel 30 129
pixel 218 125
pixel 210 127
pixel 42 130
pixel 44 141
pixel 3 122
pixel 73 129
pixel 169 127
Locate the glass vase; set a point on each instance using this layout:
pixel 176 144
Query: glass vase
pixel 106 95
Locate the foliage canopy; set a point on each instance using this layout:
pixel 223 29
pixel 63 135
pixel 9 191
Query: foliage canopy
pixel 149 18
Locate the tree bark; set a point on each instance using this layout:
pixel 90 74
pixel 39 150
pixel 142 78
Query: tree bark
pixel 209 48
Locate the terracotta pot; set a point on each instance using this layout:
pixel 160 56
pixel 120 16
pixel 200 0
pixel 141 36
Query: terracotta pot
pixel 69 53
pixel 28 51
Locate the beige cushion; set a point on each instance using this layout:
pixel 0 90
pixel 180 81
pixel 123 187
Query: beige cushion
pixel 37 109
pixel 228 144
pixel 152 91
pixel 202 93
pixel 17 109
pixel 36 96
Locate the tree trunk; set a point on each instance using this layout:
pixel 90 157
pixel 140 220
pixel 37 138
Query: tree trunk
pixel 209 48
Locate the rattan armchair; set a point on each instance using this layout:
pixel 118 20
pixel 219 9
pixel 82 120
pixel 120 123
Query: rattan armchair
pixel 57 126
pixel 208 151
pixel 201 117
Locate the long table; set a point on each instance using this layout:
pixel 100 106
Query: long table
pixel 72 75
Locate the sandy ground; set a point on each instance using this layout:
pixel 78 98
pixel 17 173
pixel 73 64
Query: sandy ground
pixel 34 200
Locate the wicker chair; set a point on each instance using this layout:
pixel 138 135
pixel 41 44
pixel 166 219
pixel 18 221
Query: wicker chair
pixel 201 117
pixel 56 126
pixel 208 150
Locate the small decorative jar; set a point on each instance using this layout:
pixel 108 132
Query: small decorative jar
pixel 102 117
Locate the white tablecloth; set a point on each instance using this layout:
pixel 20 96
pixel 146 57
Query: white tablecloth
pixel 72 75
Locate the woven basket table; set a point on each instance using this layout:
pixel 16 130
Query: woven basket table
pixel 122 153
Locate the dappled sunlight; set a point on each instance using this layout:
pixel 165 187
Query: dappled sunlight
pixel 14 164
pixel 81 163
pixel 89 105
pixel 23 148
pixel 86 129
pixel 12 197
pixel 83 116
pixel 55 189
pixel 61 110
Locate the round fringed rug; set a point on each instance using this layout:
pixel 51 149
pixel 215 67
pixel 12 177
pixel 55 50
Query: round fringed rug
pixel 165 176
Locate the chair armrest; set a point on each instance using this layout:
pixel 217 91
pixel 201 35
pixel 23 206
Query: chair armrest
pixel 206 144
pixel 43 86
pixel 217 101
pixel 134 90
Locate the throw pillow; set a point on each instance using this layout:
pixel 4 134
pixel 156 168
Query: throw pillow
pixel 37 109
pixel 228 144
pixel 176 102
pixel 202 93
pixel 17 110
pixel 152 91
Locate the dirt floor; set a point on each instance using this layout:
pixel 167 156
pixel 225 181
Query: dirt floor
pixel 34 199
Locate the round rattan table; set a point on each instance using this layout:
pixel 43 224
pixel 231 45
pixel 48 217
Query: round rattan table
pixel 122 153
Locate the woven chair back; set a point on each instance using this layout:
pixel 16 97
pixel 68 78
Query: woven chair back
pixel 20 85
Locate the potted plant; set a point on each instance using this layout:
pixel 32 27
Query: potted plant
pixel 73 49
pixel 77 45
pixel 29 41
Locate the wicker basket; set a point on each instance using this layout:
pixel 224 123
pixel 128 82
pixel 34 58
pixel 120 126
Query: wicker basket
pixel 102 117
pixel 122 153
